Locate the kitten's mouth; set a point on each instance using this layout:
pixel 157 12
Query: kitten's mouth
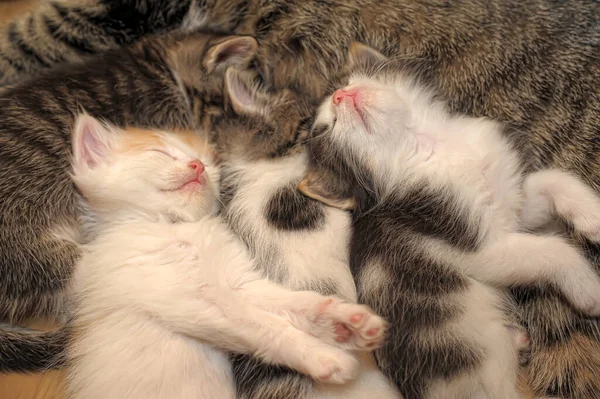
pixel 360 113
pixel 193 184
pixel 352 115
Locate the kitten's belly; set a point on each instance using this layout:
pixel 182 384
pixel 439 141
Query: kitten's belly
pixel 500 196
pixel 140 359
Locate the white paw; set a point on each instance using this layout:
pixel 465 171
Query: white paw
pixel 333 366
pixel 588 226
pixel 584 292
pixel 355 327
pixel 522 341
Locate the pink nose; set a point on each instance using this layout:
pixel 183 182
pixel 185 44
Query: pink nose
pixel 340 94
pixel 197 166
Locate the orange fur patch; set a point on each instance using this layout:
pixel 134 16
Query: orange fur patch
pixel 571 364
pixel 136 140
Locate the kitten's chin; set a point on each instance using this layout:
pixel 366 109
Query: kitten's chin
pixel 192 187
pixel 195 212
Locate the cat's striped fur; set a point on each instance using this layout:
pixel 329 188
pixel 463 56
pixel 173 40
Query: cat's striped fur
pixel 66 31
pixel 534 65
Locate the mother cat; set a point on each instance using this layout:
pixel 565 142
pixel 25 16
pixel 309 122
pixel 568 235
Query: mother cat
pixel 533 65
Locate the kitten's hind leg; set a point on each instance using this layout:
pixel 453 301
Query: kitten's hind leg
pixel 521 258
pixel 347 325
pixel 555 192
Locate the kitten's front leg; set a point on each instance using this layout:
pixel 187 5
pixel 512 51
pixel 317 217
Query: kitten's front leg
pixel 521 258
pixel 347 325
pixel 220 319
pixel 554 192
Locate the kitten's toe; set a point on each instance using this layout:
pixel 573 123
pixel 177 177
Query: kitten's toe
pixel 522 341
pixel 588 225
pixel 586 296
pixel 592 234
pixel 358 327
pixel 373 332
pixel 335 367
pixel 591 308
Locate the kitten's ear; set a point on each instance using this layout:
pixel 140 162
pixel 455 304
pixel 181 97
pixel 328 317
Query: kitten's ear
pixel 243 93
pixel 361 55
pixel 234 50
pixel 91 141
pixel 321 185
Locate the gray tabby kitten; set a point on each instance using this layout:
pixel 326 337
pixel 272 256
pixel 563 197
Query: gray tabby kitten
pixel 531 65
pixel 166 83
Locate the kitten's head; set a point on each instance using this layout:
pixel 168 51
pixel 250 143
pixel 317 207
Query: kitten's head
pixel 260 123
pixel 366 132
pixel 199 61
pixel 150 172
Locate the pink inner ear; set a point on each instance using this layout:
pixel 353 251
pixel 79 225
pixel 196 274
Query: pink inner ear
pixel 241 96
pixel 242 50
pixel 92 145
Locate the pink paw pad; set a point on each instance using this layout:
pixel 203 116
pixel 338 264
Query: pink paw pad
pixel 372 332
pixel 325 304
pixel 356 318
pixel 342 333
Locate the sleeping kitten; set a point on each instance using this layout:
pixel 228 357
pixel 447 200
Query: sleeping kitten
pixel 162 282
pixel 440 210
pixel 294 241
pixel 171 82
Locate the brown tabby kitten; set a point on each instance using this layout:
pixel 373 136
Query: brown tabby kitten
pixel 164 82
pixel 532 65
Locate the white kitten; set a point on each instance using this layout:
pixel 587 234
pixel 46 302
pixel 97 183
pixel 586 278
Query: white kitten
pixel 446 196
pixel 163 286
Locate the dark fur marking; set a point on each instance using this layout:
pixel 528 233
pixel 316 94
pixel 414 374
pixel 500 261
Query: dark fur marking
pixel 289 210
pixel 436 213
pixel 80 46
pixel 16 39
pixel 251 374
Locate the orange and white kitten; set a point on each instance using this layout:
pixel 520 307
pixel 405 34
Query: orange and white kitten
pixel 163 288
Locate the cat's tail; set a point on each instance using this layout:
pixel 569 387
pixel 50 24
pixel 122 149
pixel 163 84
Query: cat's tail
pixel 24 350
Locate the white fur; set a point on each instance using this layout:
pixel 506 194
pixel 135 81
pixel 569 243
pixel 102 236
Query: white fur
pixel 164 287
pixel 402 135
pixel 307 256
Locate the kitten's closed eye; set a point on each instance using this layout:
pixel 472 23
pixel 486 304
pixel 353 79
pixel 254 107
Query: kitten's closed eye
pixel 164 153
